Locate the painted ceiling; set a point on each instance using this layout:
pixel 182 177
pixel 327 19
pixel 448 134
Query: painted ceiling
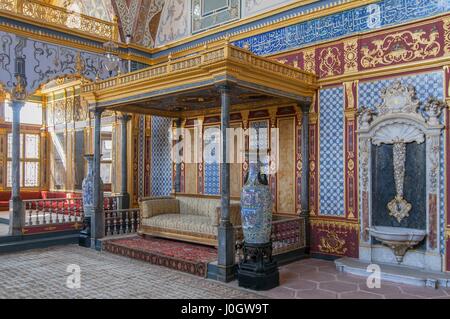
pixel 154 23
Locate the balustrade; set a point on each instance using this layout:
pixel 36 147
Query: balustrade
pixel 287 235
pixel 53 211
pixel 42 12
pixel 121 222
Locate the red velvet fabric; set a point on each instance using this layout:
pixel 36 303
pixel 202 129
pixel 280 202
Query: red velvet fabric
pixel 5 196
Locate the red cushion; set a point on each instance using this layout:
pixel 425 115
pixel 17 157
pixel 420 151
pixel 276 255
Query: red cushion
pixel 5 195
pixel 4 203
pixel 30 195
pixel 51 195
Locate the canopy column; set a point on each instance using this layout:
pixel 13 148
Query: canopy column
pixel 226 249
pixel 98 218
pixel 125 196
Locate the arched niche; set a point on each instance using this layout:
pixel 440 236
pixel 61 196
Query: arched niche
pixel 400 120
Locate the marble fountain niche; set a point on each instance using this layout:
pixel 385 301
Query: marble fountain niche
pixel 399 145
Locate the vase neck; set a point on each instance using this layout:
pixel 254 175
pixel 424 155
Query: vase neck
pixel 253 173
pixel 90 167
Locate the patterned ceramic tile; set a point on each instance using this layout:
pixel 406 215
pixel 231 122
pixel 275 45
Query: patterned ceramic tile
pixel 426 84
pixel 331 174
pixel 141 159
pixel 212 159
pixel 365 18
pixel 161 164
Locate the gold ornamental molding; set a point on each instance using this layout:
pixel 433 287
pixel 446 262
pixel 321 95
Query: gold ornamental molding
pixel 316 222
pixel 222 63
pixel 43 14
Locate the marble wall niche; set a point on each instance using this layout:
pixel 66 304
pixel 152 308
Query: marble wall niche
pixel 383 185
pixel 399 160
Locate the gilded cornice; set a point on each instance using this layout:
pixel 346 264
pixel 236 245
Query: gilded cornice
pixel 221 63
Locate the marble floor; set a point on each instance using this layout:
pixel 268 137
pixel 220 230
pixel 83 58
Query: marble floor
pixel 3 230
pixel 43 273
pixel 319 279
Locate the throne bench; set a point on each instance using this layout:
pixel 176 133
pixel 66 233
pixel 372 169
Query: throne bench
pixel 191 218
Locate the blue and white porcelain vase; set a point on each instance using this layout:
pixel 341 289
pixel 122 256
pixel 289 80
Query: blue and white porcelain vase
pixel 256 207
pixel 88 186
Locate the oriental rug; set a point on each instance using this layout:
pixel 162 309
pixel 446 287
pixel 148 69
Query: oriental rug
pixel 185 257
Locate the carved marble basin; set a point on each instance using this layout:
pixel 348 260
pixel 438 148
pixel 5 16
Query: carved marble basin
pixel 398 239
pixel 397 233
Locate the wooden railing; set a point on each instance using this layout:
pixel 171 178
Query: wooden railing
pixel 53 211
pixel 121 222
pixel 203 58
pixel 288 234
pixel 41 12
pixel 40 212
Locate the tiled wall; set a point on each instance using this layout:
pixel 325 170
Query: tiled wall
pixel 161 165
pixel 331 176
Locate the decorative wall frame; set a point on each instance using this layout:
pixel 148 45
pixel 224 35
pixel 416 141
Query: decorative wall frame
pixel 399 119
pixel 206 19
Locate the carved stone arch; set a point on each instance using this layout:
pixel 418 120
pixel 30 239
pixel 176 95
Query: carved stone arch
pixel 401 119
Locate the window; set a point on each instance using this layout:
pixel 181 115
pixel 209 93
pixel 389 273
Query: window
pixel 29 160
pixel 31 113
pixel 107 152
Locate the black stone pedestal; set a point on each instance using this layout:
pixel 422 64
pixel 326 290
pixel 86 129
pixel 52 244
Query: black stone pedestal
pixel 257 270
pixel 85 234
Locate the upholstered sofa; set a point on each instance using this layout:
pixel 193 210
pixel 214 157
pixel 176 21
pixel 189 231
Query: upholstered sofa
pixel 192 218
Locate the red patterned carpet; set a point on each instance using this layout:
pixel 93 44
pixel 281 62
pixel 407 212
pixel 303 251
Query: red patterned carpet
pixel 186 257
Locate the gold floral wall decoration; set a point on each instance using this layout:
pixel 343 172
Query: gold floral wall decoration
pixel 332 244
pixel 351 55
pixel 309 57
pixel 447 35
pixel 400 47
pixel 329 61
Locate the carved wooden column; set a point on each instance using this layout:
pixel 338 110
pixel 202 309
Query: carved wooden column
pixel 125 196
pixel 98 219
pixel 226 249
pixel 17 214
pixel 19 94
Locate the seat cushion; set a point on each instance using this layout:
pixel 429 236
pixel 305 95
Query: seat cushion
pixel 198 206
pixel 182 223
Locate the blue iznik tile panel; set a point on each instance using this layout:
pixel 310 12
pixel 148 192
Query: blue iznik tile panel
pixel 161 161
pixel 141 159
pixel 331 132
pixel 365 18
pixel 426 84
pixel 211 157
